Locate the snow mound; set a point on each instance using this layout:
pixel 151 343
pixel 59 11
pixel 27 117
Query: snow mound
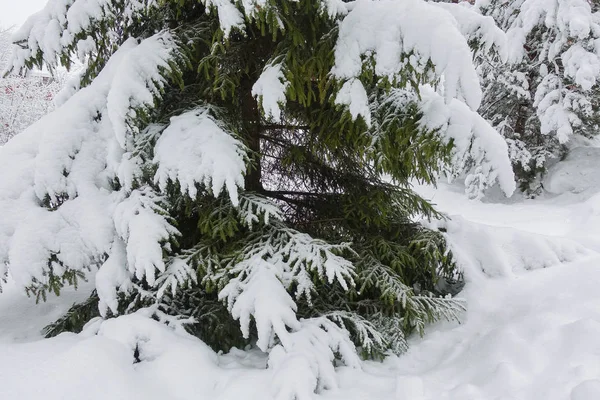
pixel 526 337
pixel 534 337
pixel 130 357
pixel 577 173
pixel 589 389
pixel 496 251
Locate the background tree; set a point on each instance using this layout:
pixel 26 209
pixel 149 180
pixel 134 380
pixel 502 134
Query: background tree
pixel 548 92
pixel 248 165
pixel 23 99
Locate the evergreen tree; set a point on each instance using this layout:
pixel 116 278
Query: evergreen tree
pixel 548 91
pixel 248 164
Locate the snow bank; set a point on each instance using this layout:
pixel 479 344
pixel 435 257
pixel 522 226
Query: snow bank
pixel 526 337
pixel 130 357
pixel 534 337
pixel 576 174
pixel 502 252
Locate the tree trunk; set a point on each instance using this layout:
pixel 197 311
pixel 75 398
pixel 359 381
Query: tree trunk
pixel 251 123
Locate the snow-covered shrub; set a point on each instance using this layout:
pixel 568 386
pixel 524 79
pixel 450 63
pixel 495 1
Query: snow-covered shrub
pixel 227 162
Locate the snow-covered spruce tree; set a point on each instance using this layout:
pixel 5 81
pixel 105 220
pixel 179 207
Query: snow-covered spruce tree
pixel 548 91
pixel 247 164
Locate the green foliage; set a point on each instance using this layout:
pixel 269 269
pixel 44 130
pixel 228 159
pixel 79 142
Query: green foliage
pixel 75 319
pixel 212 322
pixel 56 277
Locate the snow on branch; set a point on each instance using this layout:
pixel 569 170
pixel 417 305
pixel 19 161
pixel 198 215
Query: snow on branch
pixel 259 288
pixel 367 335
pixel 560 39
pixel 141 222
pixel 305 363
pixel 178 273
pixel 480 28
pixel 58 172
pixel 277 259
pixel 413 28
pixel 111 277
pixel 270 89
pixel 70 24
pixel 232 13
pixel 420 309
pixel 555 108
pixel 354 95
pixel 567 19
pixel 99 116
pixel 582 65
pixel 196 149
pixel 254 207
pixel 138 83
pixel 185 267
pixel 261 294
pixel 479 151
pixel 335 8
pixel 229 16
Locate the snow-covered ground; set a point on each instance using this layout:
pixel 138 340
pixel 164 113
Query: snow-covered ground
pixel 532 329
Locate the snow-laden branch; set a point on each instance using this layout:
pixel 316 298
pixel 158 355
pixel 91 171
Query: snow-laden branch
pixel 479 151
pixel 475 26
pixel 70 24
pixel 270 89
pixel 413 28
pixel 278 259
pixel 196 149
pixel 58 172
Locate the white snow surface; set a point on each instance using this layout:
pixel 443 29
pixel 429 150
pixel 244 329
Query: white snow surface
pixel 530 331
pixel 577 173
